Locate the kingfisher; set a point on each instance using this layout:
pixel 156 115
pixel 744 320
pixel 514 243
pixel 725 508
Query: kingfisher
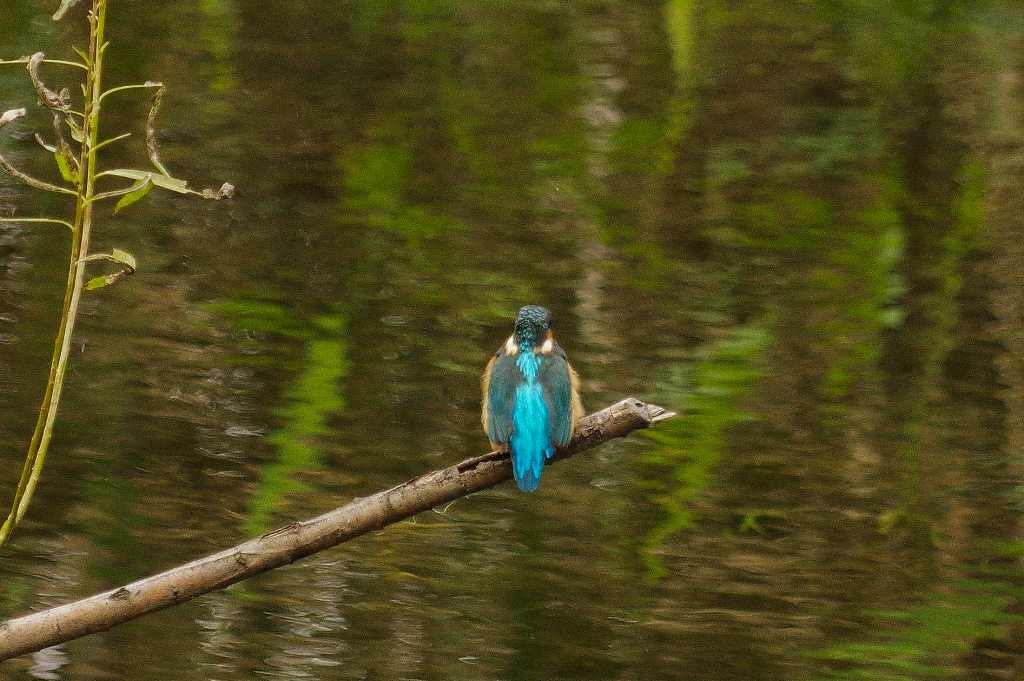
pixel 531 400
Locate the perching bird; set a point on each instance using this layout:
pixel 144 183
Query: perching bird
pixel 531 401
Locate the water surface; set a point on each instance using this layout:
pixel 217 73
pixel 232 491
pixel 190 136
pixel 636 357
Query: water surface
pixel 797 224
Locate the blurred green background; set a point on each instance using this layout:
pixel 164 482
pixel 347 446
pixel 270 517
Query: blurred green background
pixel 799 224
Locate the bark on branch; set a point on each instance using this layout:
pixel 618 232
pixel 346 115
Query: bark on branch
pixel 298 540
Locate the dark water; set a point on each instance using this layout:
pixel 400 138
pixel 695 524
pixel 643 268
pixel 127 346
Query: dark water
pixel 798 224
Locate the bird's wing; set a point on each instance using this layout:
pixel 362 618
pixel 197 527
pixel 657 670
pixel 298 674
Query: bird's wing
pixel 499 382
pixel 562 395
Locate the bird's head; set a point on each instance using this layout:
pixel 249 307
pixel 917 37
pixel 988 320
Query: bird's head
pixel 532 325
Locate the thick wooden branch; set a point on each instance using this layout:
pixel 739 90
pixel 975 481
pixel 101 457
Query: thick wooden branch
pixel 297 540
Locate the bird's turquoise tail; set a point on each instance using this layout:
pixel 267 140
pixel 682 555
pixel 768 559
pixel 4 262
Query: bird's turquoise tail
pixel 530 442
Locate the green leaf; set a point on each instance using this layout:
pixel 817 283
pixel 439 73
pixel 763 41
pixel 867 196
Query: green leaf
pixel 67 171
pixel 117 255
pixel 126 259
pixel 132 197
pixel 100 282
pixel 163 181
pixel 123 257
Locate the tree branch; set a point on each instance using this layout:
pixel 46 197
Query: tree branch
pixel 298 540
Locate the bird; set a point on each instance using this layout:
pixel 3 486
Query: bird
pixel 531 401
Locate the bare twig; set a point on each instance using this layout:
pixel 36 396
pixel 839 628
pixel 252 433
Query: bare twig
pixel 9 168
pixel 51 221
pixel 62 62
pixel 301 539
pixel 31 181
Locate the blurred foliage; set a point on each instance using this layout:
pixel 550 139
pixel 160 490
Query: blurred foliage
pixel 922 641
pixel 776 219
pixel 684 452
pixel 306 404
pixel 309 402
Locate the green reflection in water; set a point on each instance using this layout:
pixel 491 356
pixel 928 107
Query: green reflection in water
pixel 218 32
pixel 680 24
pixel 679 20
pixel 374 183
pixel 782 178
pixel 687 449
pixel 252 316
pixel 309 402
pixel 925 640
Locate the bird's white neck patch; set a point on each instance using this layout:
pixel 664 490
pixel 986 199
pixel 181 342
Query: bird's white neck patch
pixel 510 346
pixel 548 346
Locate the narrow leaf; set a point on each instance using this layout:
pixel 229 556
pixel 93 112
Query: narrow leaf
pixel 117 255
pixel 99 282
pixel 67 171
pixel 115 193
pixel 123 257
pixel 170 183
pixel 131 197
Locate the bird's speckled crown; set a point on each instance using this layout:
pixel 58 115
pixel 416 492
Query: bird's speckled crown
pixel 532 323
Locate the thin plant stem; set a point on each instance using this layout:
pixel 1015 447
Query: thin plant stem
pixel 82 226
pixel 6 62
pixel 52 221
pixel 85 176
pixel 122 88
pixel 110 141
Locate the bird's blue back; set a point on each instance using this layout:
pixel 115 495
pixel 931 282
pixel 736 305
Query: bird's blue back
pixel 529 406
pixel 531 440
